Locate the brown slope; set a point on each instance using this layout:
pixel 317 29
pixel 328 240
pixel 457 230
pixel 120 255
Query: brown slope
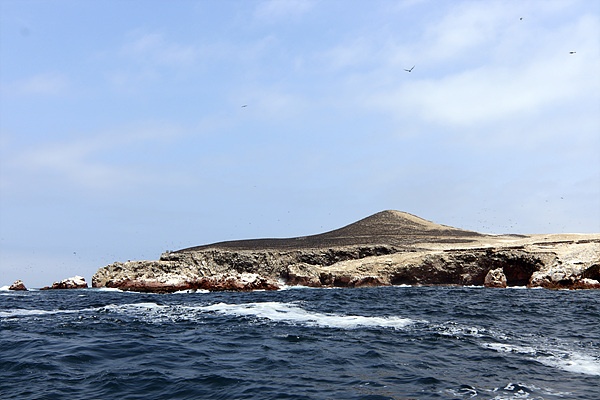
pixel 391 228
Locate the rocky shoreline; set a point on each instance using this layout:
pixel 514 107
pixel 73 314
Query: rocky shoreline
pixel 75 282
pixel 387 248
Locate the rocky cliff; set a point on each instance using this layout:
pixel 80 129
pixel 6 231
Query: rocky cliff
pixel 388 248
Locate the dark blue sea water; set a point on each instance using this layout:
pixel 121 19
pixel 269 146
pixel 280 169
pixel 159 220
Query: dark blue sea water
pixel 370 343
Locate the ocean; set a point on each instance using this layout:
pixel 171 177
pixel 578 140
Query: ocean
pixel 300 343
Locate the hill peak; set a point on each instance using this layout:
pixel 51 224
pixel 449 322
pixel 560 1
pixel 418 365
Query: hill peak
pixel 389 227
pixel 395 223
pixel 400 218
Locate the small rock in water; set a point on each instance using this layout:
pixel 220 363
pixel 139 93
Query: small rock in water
pixel 75 282
pixel 17 285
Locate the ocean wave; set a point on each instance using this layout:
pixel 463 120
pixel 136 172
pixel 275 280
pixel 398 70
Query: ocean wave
pixel 107 289
pixel 564 359
pixel 510 391
pixel 271 311
pixel 291 313
pixel 574 362
pixel 455 330
pixel 134 308
pixel 14 313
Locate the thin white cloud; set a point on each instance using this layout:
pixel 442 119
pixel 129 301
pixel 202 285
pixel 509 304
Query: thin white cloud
pixel 484 95
pixel 494 84
pixel 275 10
pixel 466 28
pixel 154 48
pixel 44 84
pixel 86 162
pixel 130 80
pixel 270 104
pixel 147 57
pixel 66 164
pixel 358 52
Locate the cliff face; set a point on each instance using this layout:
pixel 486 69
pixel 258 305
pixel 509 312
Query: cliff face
pixel 388 248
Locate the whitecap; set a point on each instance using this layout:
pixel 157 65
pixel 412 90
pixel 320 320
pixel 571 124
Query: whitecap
pixel 567 360
pixel 136 307
pixel 509 348
pixel 291 313
pixel 107 289
pixel 455 330
pixel 32 313
pixel 574 362
pixel 283 286
pixel 186 291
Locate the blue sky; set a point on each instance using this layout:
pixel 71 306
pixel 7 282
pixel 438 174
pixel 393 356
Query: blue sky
pixel 123 131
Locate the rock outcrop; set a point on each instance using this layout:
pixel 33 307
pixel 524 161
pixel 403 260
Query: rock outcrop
pixel 495 278
pixel 388 248
pixel 75 282
pixel 18 285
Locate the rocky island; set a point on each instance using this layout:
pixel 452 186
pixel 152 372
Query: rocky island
pixel 387 248
pixel 75 282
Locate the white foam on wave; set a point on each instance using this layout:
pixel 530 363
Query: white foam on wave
pixel 509 348
pixel 574 362
pixel 510 391
pixel 186 291
pixel 283 286
pixel 148 312
pixel 567 360
pixel 107 289
pixel 456 330
pixel 272 311
pixel 291 313
pixel 4 288
pixel 14 313
pixel 134 308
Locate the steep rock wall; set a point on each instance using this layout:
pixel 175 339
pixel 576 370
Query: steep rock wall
pixel 569 264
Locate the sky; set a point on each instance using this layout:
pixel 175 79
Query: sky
pixel 128 128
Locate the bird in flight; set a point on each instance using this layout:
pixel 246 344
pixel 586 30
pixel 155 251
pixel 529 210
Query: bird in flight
pixel 409 70
pixel 572 52
pixel 245 105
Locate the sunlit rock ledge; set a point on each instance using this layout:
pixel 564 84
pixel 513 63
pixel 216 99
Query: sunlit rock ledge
pixel 75 282
pixel 387 248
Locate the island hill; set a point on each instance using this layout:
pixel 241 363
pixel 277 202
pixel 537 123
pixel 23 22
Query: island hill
pixel 387 248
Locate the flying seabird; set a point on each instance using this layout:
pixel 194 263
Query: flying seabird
pixel 409 70
pixel 572 52
pixel 245 105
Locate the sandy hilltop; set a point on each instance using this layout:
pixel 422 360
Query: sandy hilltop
pixel 387 248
